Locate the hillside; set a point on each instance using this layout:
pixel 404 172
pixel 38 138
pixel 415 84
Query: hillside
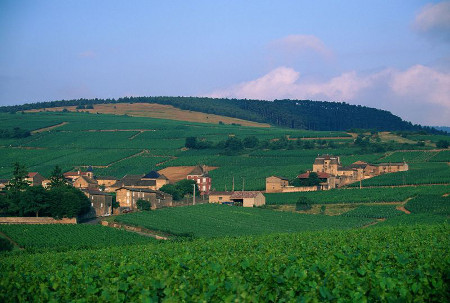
pixel 297 114
pixel 160 111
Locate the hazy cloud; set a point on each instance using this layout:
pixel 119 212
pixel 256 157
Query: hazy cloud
pixel 87 54
pixel 420 94
pixel 434 20
pixel 298 44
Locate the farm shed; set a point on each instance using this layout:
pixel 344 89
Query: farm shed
pixel 248 198
pixel 220 196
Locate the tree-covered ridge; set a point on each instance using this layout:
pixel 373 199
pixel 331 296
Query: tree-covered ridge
pixel 300 114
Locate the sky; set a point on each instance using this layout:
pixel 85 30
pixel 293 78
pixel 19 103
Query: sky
pixel 389 54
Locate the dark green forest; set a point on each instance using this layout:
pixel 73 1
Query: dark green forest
pixel 298 114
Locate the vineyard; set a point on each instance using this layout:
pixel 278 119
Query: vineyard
pixel 418 173
pixel 356 195
pixel 211 220
pixel 62 237
pixel 374 211
pixel 429 204
pixel 376 264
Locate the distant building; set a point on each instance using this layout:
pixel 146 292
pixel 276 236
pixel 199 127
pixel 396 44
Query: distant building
pixel 106 181
pixel 276 184
pixel 220 196
pixel 327 164
pixel 200 175
pixel 100 202
pixel 35 179
pixel 248 198
pixel 84 182
pixel 128 196
pixel 72 176
pixel 239 198
pixel 160 179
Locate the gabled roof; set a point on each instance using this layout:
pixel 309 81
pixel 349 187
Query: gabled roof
pixel 31 175
pixel 320 159
pixel 320 175
pixel 88 180
pixel 152 175
pixel 244 194
pixel 95 192
pixel 75 173
pixel 197 171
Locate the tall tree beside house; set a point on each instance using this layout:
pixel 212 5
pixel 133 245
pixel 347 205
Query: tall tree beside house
pixel 57 178
pixel 18 181
pixel 67 201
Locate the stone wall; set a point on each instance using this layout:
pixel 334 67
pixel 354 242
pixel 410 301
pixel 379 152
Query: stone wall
pixel 36 220
pixel 292 189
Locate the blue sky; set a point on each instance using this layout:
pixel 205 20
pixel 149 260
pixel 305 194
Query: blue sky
pixel 393 55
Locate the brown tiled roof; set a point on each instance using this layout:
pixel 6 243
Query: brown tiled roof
pixel 220 193
pixel 95 192
pixel 244 194
pixel 282 178
pixel 31 175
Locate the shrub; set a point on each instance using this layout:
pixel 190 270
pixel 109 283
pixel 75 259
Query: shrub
pixel 143 205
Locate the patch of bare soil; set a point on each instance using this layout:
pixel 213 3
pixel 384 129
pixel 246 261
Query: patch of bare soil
pixel 374 222
pixel 403 209
pixel 158 111
pixel 45 129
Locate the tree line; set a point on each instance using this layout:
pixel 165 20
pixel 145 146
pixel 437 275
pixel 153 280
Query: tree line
pixel 58 200
pixel 298 114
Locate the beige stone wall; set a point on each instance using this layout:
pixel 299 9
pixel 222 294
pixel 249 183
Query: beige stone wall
pixel 275 185
pixel 36 220
pixel 292 189
pixel 217 198
pixel 256 201
pixel 106 183
pixel 160 183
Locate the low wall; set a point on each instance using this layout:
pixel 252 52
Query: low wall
pixel 36 220
pixel 299 189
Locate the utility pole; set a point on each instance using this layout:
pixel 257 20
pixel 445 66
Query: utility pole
pixel 232 190
pixel 193 197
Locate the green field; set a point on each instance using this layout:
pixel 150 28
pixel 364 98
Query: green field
pixel 356 195
pixel 119 145
pixel 377 264
pixel 212 220
pixel 374 211
pixel 63 237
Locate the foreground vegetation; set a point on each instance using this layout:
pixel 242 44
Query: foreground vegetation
pixel 401 263
pixel 66 237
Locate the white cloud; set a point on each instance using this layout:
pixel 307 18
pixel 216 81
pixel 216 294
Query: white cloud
pixel 420 94
pixel 434 19
pixel 298 44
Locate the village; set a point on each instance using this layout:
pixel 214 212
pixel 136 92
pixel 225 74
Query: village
pixel 102 191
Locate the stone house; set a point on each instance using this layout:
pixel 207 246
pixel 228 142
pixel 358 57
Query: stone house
pixel 327 181
pixel 73 175
pixel 35 179
pixel 128 196
pixel 84 182
pixel 200 175
pixel 106 181
pixel 275 184
pixel 327 164
pixel 160 179
pixel 100 202
pixel 384 168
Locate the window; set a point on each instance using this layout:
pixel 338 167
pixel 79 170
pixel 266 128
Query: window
pixel 204 180
pixel 101 204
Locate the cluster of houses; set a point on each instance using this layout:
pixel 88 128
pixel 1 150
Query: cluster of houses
pixel 131 188
pixel 332 174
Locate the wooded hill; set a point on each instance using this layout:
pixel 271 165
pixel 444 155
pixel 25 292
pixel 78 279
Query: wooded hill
pixel 299 114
